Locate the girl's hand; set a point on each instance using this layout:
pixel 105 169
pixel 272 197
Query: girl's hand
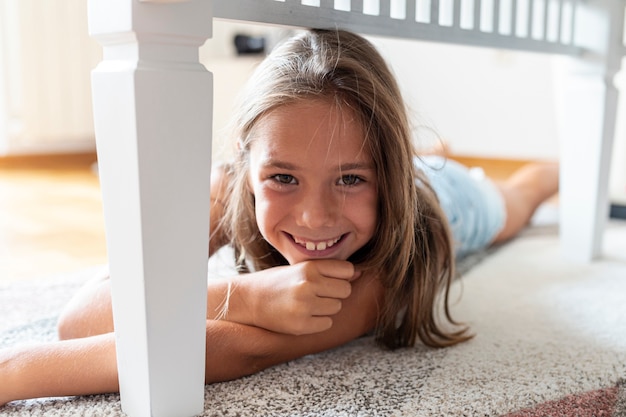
pixel 298 299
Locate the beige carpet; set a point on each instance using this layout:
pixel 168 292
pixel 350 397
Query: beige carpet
pixel 550 341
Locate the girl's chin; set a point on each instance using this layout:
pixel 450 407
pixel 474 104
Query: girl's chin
pixel 297 258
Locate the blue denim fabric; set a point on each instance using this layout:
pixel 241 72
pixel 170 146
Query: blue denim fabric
pixel 473 205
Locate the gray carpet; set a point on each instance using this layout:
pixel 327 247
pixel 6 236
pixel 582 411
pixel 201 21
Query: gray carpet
pixel 550 340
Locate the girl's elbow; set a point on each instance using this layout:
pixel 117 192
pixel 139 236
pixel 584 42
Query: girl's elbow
pixel 238 366
pixel 67 326
pixel 64 328
pixel 234 351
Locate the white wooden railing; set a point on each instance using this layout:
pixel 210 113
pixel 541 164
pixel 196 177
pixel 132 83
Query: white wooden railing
pixel 510 24
pixel 153 106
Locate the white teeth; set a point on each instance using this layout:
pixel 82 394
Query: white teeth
pixel 316 246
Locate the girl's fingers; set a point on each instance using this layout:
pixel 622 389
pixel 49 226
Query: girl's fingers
pixel 317 325
pixel 334 288
pixel 331 278
pixel 333 268
pixel 326 307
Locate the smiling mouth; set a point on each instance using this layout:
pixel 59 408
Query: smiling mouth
pixel 316 245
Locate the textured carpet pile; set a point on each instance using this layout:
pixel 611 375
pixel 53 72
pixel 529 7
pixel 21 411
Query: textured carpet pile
pixel 550 341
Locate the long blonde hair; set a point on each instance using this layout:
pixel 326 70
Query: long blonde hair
pixel 411 250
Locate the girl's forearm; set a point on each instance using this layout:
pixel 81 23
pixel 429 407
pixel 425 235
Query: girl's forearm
pixel 70 367
pixel 227 300
pixel 88 365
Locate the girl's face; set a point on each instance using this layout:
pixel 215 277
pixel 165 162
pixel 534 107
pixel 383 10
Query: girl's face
pixel 313 181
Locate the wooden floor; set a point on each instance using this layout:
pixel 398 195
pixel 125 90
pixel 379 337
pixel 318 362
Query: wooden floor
pixel 51 219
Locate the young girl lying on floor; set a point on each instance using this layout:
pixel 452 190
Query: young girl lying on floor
pixel 338 227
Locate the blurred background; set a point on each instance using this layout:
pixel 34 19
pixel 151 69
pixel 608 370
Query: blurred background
pixel 493 108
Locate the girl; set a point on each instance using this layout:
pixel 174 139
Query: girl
pixel 336 225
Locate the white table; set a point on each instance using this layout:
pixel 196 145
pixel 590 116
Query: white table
pixel 153 107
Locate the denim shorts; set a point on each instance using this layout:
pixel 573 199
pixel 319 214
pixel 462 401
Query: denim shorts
pixel 472 203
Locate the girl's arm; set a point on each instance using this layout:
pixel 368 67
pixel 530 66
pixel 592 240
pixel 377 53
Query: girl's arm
pixel 88 365
pixel 70 367
pixel 294 299
pixel 245 350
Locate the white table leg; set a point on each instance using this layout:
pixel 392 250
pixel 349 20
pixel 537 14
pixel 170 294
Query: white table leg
pixel 153 113
pixel 589 111
pixel 585 166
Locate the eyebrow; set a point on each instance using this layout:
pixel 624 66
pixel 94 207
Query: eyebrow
pixel 275 163
pixel 349 166
pixel 356 166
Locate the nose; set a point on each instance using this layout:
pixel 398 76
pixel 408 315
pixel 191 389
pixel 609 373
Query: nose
pixel 317 209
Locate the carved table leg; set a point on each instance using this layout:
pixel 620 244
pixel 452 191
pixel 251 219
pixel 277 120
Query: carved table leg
pixel 153 111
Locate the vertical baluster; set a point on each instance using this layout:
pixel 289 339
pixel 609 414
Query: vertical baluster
pixel 422 11
pixel 466 15
pixel 343 5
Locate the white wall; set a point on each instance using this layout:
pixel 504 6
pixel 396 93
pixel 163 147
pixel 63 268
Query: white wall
pixel 481 101
pixel 46 56
pixel 230 72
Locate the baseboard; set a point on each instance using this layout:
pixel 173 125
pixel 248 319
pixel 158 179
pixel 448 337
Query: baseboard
pixel 618 211
pixel 49 161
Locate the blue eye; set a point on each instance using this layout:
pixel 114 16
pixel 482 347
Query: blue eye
pixel 350 180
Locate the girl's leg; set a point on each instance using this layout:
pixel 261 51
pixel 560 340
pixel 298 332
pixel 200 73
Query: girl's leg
pixel 523 192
